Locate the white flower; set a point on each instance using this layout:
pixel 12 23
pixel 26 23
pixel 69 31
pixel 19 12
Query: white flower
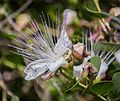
pixel 82 49
pixel 44 50
pixel 106 59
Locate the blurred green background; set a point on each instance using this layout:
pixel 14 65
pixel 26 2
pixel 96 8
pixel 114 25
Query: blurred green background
pixel 13 86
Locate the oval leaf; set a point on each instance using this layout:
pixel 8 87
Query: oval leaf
pixel 96 61
pixel 102 88
pixel 116 82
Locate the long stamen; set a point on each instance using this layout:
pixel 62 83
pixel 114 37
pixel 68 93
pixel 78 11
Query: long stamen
pixel 48 34
pixel 99 48
pixel 44 26
pixel 86 44
pixel 50 31
pixel 58 24
pixel 91 43
pixel 109 54
pixel 102 54
pixel 111 60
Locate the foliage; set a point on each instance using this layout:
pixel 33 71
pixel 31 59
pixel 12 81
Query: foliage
pixel 63 86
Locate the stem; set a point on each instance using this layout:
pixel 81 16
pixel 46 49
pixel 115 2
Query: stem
pixel 82 85
pixel 67 77
pixel 17 12
pixel 103 98
pixel 102 21
pixel 97 5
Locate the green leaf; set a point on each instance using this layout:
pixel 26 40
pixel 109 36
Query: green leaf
pixel 97 14
pixel 102 88
pixel 116 82
pixel 90 12
pixel 107 46
pixel 90 4
pixel 15 98
pixel 96 61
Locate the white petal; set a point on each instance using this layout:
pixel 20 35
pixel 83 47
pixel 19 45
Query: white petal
pixel 103 69
pixel 77 70
pixel 63 44
pixel 54 66
pixel 35 69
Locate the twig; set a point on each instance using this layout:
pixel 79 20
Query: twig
pixel 104 99
pixel 10 20
pixel 82 85
pixel 102 21
pixel 21 9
